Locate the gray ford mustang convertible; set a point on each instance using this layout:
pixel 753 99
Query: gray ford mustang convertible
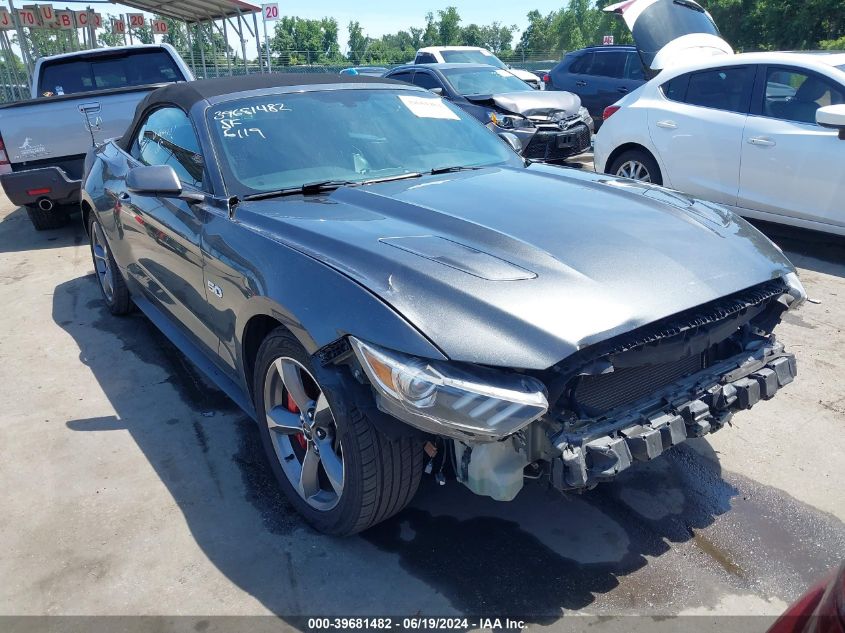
pixel 356 263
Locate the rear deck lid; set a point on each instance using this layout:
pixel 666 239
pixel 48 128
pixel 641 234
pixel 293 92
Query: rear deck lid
pixel 671 32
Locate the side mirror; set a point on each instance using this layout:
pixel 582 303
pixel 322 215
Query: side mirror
pixel 832 117
pixel 437 91
pixel 158 180
pixel 512 140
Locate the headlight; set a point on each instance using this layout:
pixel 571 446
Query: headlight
pixel 583 113
pixel 508 121
pixel 796 289
pixel 451 400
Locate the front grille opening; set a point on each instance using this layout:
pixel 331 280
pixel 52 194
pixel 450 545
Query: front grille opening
pixel 594 395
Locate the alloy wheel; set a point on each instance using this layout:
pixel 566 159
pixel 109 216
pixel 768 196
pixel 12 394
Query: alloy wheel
pixel 102 261
pixel 634 170
pixel 304 433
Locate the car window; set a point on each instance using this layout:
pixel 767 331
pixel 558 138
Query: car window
pixel 634 67
pixel 484 81
pixel 792 95
pixel 427 81
pixel 675 89
pixel 457 56
pixel 403 76
pixel 581 64
pixel 608 64
pixel 279 141
pixel 132 68
pixel 425 58
pixel 723 88
pixel 167 138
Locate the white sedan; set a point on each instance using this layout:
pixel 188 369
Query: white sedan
pixel 761 133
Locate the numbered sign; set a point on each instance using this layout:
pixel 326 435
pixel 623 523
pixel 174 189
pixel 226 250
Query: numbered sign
pixel 28 17
pixel 6 22
pixel 118 26
pixel 48 16
pixel 270 12
pixel 159 27
pixel 65 21
pixel 136 20
pixel 607 40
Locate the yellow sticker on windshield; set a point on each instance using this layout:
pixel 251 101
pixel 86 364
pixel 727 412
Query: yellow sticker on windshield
pixel 428 107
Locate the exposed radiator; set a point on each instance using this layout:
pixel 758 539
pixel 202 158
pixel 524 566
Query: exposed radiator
pixel 594 395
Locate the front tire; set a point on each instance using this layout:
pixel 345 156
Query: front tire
pixel 339 471
pixel 109 278
pixel 637 164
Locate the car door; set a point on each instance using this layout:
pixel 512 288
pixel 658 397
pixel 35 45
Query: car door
pixel 164 243
pixel 579 81
pixel 607 76
pixel 792 166
pixel 697 129
pixel 429 81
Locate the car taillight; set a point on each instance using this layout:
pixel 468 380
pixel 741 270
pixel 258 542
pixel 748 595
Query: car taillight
pixel 609 111
pixel 5 166
pixel 547 78
pixel 820 610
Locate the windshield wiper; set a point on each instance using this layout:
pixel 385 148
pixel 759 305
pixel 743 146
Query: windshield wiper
pixel 304 189
pixel 320 186
pixel 453 168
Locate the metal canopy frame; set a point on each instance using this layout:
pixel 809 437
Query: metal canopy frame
pixel 192 11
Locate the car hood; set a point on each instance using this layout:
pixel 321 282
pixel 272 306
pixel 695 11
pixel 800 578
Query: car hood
pixel 521 267
pixel 533 102
pixel 671 32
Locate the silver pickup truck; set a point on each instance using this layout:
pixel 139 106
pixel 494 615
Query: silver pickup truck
pixel 78 101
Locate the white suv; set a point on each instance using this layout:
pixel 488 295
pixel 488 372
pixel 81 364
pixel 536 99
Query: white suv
pixel 472 55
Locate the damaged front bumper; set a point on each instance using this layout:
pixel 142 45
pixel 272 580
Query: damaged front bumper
pixel 598 450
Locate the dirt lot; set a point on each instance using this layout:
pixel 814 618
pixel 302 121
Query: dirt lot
pixel 131 487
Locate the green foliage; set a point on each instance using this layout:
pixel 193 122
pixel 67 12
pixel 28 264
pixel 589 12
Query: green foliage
pixel 300 41
pixel 833 45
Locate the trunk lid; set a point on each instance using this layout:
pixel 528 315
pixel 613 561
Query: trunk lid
pixel 671 32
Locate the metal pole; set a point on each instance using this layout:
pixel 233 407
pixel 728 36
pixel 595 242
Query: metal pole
pixel 243 42
pixel 21 38
pixel 92 29
pixel 257 42
pixel 213 48
pixel 228 48
pixel 128 28
pixel 267 48
pixel 191 48
pixel 201 42
pixel 16 84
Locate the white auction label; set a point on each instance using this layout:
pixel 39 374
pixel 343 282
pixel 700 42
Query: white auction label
pixel 428 108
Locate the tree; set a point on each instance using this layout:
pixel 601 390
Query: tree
pixel 471 35
pixel 357 42
pixel 448 27
pixel 497 37
pixel 300 41
pixel 109 37
pixel 431 34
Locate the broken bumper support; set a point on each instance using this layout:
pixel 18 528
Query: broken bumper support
pixel 589 458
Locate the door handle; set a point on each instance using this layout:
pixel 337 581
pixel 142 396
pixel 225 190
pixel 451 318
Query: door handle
pixel 622 89
pixel 580 83
pixel 123 196
pixel 667 125
pixel 761 141
pixel 92 107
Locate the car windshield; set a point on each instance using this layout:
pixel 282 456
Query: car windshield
pixel 458 56
pixel 481 81
pixel 284 141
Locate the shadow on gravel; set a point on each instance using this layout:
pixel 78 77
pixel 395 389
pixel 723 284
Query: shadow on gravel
pixel 821 252
pixel 17 233
pixel 640 542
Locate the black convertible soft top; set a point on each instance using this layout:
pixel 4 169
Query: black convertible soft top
pixel 186 93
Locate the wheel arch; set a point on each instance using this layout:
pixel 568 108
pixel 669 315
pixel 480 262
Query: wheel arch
pixel 616 153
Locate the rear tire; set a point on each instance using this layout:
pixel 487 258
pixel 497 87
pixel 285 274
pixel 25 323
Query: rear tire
pixel 46 220
pixel 638 165
pixel 379 476
pixel 109 278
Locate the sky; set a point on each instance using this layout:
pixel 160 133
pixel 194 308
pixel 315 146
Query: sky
pixel 377 17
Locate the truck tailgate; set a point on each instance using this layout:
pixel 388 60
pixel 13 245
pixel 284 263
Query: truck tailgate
pixel 56 127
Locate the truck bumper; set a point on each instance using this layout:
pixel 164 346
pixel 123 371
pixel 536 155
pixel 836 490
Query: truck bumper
pixel 700 405
pixel 53 183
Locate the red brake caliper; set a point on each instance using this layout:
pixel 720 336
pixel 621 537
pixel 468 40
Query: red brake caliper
pixel 291 406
